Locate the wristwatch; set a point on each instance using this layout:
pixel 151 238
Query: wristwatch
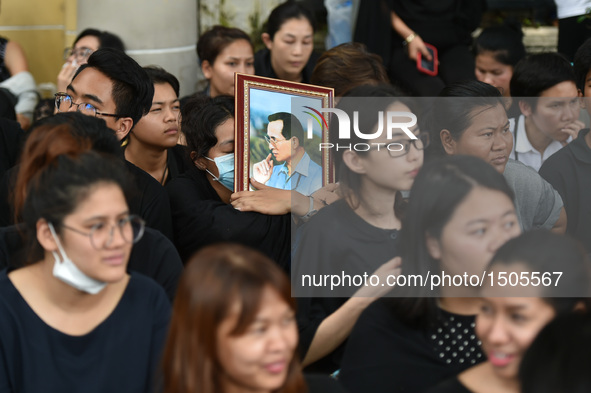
pixel 311 211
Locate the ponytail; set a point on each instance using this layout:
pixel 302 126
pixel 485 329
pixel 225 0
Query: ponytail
pixel 44 145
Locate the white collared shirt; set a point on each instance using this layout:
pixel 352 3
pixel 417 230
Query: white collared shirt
pixel 526 152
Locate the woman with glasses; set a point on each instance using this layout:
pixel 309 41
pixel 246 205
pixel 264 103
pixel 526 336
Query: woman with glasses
pixel 87 42
pixel 73 318
pixel 358 234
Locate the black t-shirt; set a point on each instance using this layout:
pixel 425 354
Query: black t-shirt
pixel 386 355
pixel 200 218
pixel 178 161
pixel 335 240
pixel 120 355
pixel 569 172
pixel 150 201
pixel 156 257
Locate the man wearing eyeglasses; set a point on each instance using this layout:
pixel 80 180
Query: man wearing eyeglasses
pixel 297 171
pixel 113 87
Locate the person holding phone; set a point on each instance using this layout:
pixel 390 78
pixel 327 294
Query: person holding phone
pixel 437 33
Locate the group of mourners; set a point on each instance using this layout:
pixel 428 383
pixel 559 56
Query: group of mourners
pixel 130 264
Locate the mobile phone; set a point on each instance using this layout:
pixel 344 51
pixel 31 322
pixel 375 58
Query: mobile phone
pixel 426 66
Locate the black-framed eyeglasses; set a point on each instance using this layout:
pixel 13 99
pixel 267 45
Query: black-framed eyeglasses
pixel 79 54
pixel 63 103
pixel 401 148
pixel 273 140
pixel 101 235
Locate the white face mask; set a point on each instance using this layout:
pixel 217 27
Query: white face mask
pixel 67 271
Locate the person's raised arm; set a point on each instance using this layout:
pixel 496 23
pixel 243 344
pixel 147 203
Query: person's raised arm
pixel 413 42
pixel 335 328
pixel 15 58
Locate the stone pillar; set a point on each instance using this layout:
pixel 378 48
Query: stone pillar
pixel 155 32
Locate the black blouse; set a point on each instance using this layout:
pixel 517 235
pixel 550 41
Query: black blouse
pixel 386 355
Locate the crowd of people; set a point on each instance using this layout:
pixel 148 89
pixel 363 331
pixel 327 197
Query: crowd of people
pixel 129 263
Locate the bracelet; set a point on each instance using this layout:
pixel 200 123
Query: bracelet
pixel 311 211
pixel 409 39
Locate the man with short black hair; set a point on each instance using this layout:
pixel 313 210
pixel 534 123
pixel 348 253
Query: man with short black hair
pixel 297 172
pixel 545 86
pixel 114 87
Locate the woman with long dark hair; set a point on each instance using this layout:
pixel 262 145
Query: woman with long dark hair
pixel 357 234
pixel 73 318
pixel 460 212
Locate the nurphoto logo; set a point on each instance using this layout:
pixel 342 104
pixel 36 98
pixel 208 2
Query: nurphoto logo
pixel 393 122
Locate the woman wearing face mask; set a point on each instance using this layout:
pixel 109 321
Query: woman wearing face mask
pixel 289 38
pixel 233 328
pixel 73 319
pixel 459 213
pixel 200 198
pixel 507 326
pixel 470 118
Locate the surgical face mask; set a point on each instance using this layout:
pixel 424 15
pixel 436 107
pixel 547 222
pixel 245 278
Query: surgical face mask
pixel 67 271
pixel 225 166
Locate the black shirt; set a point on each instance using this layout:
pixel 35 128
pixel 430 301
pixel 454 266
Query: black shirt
pixel 386 355
pixel 200 218
pixel 335 240
pixel 150 201
pixel 120 355
pixel 177 162
pixel 569 172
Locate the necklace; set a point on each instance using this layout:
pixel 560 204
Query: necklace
pixel 164 173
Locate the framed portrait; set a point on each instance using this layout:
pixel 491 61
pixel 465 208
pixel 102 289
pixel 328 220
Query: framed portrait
pixel 280 128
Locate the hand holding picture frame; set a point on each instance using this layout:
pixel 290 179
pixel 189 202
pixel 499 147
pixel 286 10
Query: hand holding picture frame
pixel 279 128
